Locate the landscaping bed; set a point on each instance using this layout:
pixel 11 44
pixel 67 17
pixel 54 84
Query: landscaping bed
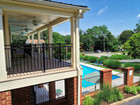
pixel 109 95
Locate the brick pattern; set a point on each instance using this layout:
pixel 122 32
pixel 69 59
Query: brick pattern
pixel 71 90
pixel 128 79
pixel 52 94
pixel 105 77
pixel 21 96
pixel 5 98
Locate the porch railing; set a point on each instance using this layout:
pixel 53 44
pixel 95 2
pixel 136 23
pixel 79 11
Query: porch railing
pixel 37 57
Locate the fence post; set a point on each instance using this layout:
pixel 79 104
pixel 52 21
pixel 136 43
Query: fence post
pixel 105 77
pixel 128 76
pixel 60 52
pixel 43 57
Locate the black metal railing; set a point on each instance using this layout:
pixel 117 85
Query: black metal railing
pixel 29 58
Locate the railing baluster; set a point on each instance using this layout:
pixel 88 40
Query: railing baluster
pixel 43 57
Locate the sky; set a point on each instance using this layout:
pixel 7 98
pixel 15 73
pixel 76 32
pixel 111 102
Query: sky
pixel 117 15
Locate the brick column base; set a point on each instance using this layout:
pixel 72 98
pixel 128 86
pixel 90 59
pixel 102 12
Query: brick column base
pixel 128 76
pixel 105 77
pixel 21 96
pixel 5 98
pixel 52 94
pixel 71 90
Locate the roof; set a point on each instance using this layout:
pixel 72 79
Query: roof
pixel 53 3
pixel 65 3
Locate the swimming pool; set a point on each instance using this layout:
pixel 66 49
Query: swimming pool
pixel 88 70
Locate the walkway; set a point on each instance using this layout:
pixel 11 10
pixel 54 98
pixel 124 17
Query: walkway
pixel 130 60
pixel 133 102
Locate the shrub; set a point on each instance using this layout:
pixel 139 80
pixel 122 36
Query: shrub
pixel 86 57
pixel 112 64
pixel 132 90
pixel 138 89
pixel 105 57
pixel 108 94
pixel 101 59
pixel 92 59
pixel 88 101
pixel 120 57
pixel 136 67
pixel 68 56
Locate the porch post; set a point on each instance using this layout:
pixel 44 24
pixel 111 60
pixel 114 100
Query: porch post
pixel 7 41
pixel 38 33
pixel 3 72
pixel 50 40
pixel 72 19
pixel 33 39
pixel 38 37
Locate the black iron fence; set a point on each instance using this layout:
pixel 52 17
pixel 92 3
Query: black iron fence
pixel 29 58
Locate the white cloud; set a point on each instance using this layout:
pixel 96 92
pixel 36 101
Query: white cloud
pixel 102 10
pixel 138 16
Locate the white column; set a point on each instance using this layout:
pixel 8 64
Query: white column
pixel 50 40
pixel 73 42
pixel 38 37
pixel 3 72
pixel 33 39
pixel 7 40
pixel 38 33
pixel 77 43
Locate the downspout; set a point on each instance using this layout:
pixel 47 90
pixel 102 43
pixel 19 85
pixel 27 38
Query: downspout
pixel 79 84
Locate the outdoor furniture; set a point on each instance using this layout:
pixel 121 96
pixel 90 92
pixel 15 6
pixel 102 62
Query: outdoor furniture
pixel 58 92
pixel 100 63
pixel 95 62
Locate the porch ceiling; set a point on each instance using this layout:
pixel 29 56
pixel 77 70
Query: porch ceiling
pixel 22 24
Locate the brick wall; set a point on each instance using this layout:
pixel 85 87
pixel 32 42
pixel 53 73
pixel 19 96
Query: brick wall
pixel 128 76
pixel 5 98
pixel 21 96
pixel 105 77
pixel 71 90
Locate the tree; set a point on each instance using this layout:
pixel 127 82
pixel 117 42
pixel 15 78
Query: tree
pixel 133 45
pixel 137 27
pixel 19 39
pixel 67 39
pixel 125 35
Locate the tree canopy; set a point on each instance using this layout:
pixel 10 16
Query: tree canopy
pixel 125 35
pixel 133 45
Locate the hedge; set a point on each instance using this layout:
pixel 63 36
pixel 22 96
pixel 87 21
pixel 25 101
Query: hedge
pixel 112 64
pixel 120 57
pixel 136 67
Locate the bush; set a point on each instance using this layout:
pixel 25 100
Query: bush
pixel 112 64
pixel 132 90
pixel 138 89
pixel 120 57
pixel 92 59
pixel 86 57
pixel 88 101
pixel 104 57
pixel 108 94
pixel 136 67
pixel 68 56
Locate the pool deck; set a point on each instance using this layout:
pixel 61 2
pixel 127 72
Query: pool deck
pixel 115 82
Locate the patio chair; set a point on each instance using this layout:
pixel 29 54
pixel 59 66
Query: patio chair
pixel 95 62
pixel 58 92
pixel 100 63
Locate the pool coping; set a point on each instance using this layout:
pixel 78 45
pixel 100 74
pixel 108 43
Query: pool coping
pixel 99 68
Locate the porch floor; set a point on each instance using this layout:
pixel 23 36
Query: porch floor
pixel 34 64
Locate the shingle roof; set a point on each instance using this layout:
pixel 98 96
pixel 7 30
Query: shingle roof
pixel 65 3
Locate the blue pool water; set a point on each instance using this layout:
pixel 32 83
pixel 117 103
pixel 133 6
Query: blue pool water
pixel 88 70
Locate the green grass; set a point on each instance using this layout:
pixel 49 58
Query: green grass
pixel 136 74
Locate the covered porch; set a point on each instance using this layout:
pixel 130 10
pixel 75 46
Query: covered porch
pixel 29 20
